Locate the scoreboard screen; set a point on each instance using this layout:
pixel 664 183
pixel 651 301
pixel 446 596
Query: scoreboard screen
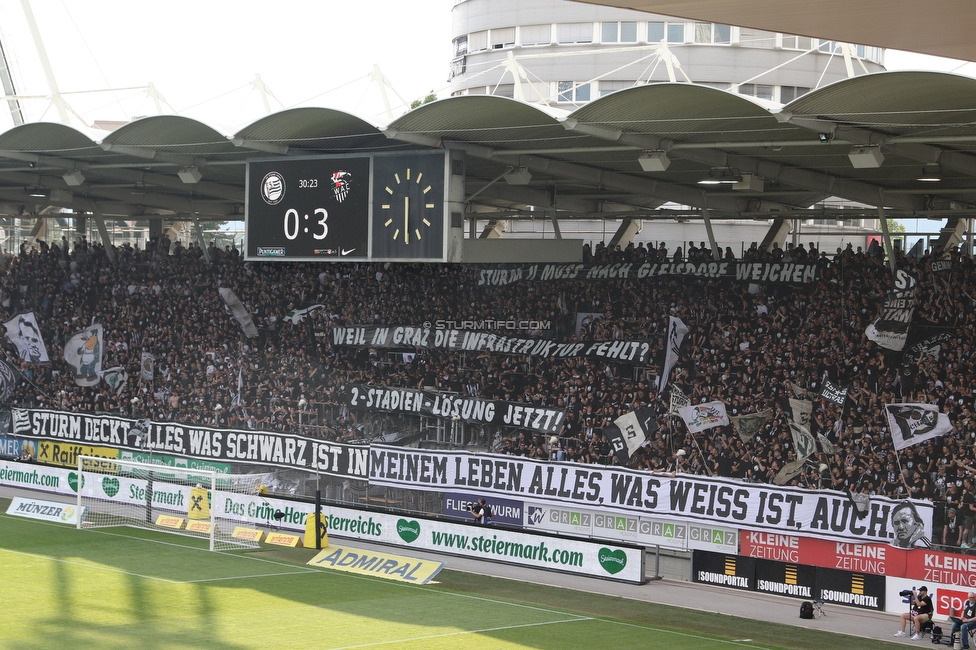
pixel 308 209
pixel 347 208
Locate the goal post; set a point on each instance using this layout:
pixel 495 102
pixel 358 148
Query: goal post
pixel 177 500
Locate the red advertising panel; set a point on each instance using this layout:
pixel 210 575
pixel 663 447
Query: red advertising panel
pixel 875 559
pixel 944 568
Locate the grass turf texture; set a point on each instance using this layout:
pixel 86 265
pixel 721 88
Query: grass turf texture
pixel 127 588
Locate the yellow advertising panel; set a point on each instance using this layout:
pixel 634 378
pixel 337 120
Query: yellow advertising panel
pixel 310 530
pixel 169 522
pixel 198 527
pixel 281 539
pixel 381 565
pixel 199 504
pixel 250 534
pixel 66 454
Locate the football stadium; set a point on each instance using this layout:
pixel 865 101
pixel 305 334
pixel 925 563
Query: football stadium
pixel 416 405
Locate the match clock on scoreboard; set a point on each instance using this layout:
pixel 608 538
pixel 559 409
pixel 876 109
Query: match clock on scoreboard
pixel 408 206
pixel 306 209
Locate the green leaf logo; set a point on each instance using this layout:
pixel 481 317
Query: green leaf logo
pixel 110 485
pixel 73 481
pixel 612 561
pixel 408 530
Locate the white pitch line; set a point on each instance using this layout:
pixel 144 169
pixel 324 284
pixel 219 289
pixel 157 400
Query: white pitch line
pixel 461 633
pixel 258 575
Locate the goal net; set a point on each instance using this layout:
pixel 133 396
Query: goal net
pixel 160 497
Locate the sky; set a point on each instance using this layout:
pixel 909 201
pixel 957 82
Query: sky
pixel 203 56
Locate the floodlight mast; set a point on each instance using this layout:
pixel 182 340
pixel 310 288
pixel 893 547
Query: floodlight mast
pixel 52 83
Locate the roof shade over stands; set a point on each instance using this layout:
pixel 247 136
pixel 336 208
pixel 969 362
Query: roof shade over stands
pixel 868 140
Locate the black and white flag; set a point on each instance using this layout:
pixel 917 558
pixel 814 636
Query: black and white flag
pixel 23 332
pixel 9 378
pixel 802 411
pixel 676 335
pixel 296 316
pixel 748 425
pixel 890 328
pixel 834 393
pixel 629 431
pixel 240 312
pixel 147 367
pixel 678 401
pixel 911 424
pixel 803 441
pixel 827 446
pixel 116 379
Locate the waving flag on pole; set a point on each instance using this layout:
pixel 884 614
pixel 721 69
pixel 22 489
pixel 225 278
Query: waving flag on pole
pixel 911 424
pixel 704 416
pixel 23 332
pixel 116 379
pixel 240 312
pixel 9 378
pixel 676 335
pixel 629 431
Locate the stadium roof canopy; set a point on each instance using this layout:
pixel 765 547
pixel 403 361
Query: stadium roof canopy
pixel 866 139
pixel 940 28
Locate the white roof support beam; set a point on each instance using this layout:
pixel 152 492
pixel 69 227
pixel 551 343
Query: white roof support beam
pixel 103 233
pixel 629 227
pixel 716 253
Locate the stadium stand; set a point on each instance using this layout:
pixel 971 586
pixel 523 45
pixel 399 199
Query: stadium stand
pixel 750 346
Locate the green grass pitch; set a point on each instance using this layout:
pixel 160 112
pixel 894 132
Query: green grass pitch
pixel 124 588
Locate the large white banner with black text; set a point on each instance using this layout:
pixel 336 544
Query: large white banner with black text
pixel 817 513
pixel 264 448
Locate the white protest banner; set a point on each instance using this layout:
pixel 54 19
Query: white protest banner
pixel 724 502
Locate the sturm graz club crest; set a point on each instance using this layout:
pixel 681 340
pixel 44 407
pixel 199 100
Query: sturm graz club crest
pixel 272 188
pixel 340 184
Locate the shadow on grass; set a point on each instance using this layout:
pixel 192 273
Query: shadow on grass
pixel 145 610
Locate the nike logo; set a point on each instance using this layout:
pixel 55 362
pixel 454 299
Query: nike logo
pixel 346 252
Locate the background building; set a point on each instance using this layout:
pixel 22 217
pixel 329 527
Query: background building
pixel 564 54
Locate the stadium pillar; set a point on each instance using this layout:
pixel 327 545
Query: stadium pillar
pixel 103 233
pixel 318 518
pixel 885 235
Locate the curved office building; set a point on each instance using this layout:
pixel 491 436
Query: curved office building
pixel 563 54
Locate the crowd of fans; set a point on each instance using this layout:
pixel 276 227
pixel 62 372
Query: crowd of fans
pixel 752 347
